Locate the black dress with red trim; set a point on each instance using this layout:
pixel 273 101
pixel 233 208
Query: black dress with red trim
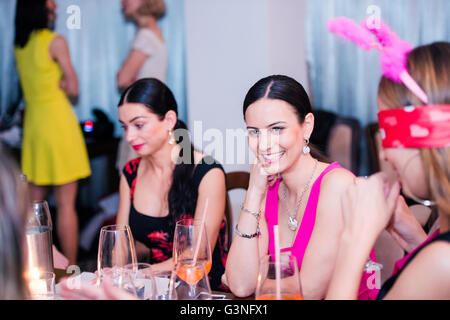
pixel 157 232
pixel 389 283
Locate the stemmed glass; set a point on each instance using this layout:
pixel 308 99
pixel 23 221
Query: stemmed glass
pixel 190 282
pixel 143 279
pixel 115 251
pixel 285 280
pixel 165 287
pixel 186 238
pixel 191 249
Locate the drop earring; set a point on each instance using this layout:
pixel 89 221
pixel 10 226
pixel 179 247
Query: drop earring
pixel 306 148
pixel 171 139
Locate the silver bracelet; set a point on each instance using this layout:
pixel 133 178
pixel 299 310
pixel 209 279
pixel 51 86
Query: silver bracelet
pixel 248 236
pixel 255 214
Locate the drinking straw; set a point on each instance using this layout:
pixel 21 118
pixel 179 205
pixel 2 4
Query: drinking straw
pixel 277 262
pixel 197 246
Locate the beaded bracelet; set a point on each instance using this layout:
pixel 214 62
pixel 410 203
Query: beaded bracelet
pixel 255 214
pixel 248 236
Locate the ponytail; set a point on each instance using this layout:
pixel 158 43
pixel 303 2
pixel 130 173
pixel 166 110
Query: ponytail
pixel 183 194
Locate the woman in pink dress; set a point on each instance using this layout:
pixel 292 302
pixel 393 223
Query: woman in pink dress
pixel 289 187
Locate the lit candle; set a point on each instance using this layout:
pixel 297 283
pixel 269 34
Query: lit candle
pixel 36 285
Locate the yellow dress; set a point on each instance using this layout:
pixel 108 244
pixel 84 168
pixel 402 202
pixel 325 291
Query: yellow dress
pixel 53 147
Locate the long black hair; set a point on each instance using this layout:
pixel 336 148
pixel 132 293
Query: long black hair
pixel 157 97
pixel 31 15
pixel 289 90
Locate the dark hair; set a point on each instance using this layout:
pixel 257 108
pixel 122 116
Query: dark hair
pixel 289 90
pixel 282 88
pixel 31 15
pixel 157 97
pixel 13 206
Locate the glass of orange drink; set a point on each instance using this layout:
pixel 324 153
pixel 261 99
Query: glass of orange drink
pixel 278 281
pixel 191 281
pixel 188 234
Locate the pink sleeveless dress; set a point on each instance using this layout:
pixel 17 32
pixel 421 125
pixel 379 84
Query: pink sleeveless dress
pixel 306 228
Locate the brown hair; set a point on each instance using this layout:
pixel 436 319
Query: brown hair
pixel 155 8
pixel 429 66
pixel 13 206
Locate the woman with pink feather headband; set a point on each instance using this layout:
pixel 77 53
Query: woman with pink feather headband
pixel 414 120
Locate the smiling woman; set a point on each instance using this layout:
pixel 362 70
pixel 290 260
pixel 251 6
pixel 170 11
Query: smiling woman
pixel 280 122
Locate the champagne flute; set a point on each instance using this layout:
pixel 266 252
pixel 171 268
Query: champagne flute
pixel 286 286
pixel 165 285
pixel 116 250
pixel 143 279
pixel 189 234
pixel 123 279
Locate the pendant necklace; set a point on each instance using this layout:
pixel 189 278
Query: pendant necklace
pixel 292 220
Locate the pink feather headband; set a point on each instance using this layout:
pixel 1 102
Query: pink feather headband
pixel 393 49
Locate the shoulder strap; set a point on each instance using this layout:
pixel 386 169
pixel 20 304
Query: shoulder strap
pixel 130 172
pixel 47 36
pixel 271 212
pixel 309 217
pixel 391 281
pixel 203 167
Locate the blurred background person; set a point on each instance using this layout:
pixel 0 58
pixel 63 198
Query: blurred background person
pixel 53 149
pixel 12 233
pixel 147 58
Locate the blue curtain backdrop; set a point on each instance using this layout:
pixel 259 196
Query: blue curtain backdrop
pixel 98 48
pixel 344 78
pixel 9 88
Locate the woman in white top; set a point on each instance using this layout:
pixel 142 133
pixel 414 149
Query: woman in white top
pixel 147 58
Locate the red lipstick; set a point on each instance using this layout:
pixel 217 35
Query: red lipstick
pixel 137 146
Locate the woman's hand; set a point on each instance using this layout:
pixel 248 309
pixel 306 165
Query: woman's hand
pixel 405 228
pixel 368 205
pixel 259 179
pixel 59 260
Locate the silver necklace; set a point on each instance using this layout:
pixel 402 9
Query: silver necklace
pixel 292 220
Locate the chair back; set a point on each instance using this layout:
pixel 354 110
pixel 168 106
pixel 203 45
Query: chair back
pixel 234 180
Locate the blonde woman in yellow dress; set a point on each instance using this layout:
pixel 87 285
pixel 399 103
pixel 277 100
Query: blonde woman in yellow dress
pixel 53 150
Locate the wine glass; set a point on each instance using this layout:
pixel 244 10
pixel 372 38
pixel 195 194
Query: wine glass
pixel 190 233
pixel 190 281
pixel 165 285
pixel 143 279
pixel 124 279
pixel 116 250
pixel 278 281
